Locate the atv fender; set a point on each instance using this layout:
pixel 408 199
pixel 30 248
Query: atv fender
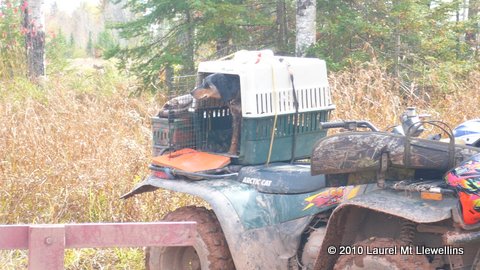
pixel 261 240
pixel 403 205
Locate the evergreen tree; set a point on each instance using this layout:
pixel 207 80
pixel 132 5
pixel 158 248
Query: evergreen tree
pixel 90 48
pixel 57 52
pixel 72 41
pixel 411 37
pixel 106 43
pixel 12 41
pixel 169 34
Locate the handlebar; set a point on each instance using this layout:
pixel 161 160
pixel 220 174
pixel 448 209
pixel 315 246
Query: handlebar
pixel 350 125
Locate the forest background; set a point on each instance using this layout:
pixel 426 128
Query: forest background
pixel 73 141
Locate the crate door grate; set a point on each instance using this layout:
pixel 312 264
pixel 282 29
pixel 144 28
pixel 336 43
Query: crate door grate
pixel 309 99
pixel 173 127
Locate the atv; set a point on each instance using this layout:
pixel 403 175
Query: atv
pixel 353 202
pixel 415 219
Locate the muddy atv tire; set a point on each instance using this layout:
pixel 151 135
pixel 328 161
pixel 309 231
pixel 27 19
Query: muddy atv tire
pixel 210 251
pixel 379 262
pixel 312 247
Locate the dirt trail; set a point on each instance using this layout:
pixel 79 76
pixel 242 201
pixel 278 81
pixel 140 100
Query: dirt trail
pixel 84 64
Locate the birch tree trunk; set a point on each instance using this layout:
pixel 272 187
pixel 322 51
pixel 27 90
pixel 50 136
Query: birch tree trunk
pixel 189 68
pixel 306 25
pixel 472 36
pixel 281 25
pixel 34 23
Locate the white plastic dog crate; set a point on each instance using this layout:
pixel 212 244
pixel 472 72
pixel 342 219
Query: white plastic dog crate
pixel 266 88
pixel 267 100
pixel 267 94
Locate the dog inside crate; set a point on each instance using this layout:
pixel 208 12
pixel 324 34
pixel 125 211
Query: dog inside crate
pixel 203 119
pixel 219 105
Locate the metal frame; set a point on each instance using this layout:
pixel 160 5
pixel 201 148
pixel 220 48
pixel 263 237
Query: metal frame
pixel 46 244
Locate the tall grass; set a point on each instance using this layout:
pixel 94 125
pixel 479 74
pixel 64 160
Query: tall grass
pixel 368 92
pixel 70 149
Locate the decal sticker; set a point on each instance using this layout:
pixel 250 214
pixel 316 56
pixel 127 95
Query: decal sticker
pixel 332 196
pixel 353 193
pixel 257 181
pixel 325 198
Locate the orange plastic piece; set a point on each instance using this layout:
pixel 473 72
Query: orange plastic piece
pixel 431 196
pixel 190 160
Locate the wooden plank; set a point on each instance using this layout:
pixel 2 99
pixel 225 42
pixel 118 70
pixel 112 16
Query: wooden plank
pixel 47 243
pixel 130 234
pixel 46 247
pixel 14 236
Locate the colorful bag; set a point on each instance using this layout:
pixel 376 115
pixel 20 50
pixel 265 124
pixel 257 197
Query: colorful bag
pixel 466 180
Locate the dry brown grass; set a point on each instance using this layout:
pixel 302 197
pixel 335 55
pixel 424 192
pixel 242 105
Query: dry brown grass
pixel 368 92
pixel 68 151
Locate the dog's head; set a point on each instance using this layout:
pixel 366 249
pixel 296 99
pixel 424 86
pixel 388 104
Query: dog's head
pixel 206 89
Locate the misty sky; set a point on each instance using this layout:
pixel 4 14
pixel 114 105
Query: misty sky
pixel 67 5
